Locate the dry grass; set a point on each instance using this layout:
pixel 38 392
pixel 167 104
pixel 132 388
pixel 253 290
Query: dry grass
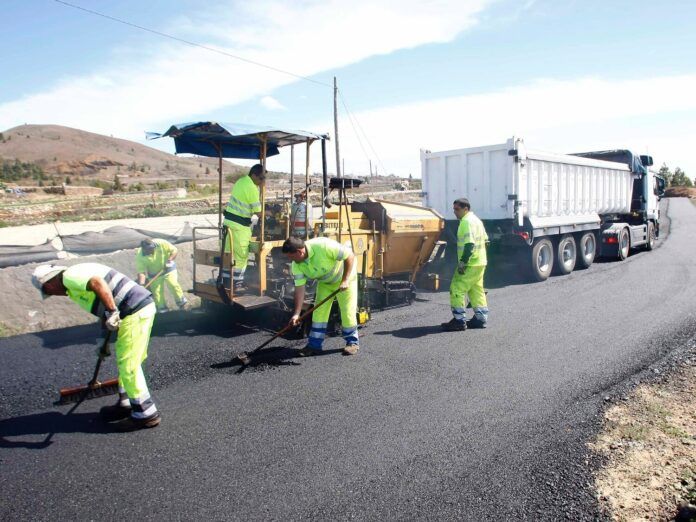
pixel 650 445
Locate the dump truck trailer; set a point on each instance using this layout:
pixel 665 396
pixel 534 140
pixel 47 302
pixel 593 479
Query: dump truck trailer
pixel 555 212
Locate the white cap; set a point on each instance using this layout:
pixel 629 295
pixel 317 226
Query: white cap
pixel 43 274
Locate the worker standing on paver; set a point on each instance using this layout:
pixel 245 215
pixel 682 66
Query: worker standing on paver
pixel 244 203
pixel 154 262
pixel 333 266
pixel 301 216
pixel 471 266
pixel 124 307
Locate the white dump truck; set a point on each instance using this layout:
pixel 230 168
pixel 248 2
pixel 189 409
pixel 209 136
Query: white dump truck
pixel 558 211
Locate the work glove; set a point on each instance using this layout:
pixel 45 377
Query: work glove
pixel 170 265
pixel 112 320
pixel 461 267
pixel 254 220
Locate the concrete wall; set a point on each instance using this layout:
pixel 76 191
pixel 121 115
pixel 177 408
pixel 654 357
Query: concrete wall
pixel 22 309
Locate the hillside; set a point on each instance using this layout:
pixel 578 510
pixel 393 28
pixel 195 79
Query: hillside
pixel 85 156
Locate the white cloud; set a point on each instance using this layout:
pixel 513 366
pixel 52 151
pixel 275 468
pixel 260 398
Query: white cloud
pixel 562 116
pixel 146 89
pixel 270 103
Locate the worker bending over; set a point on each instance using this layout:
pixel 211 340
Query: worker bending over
pixel 468 277
pixel 244 203
pixel 301 216
pixel 154 262
pixel 124 307
pixel 332 265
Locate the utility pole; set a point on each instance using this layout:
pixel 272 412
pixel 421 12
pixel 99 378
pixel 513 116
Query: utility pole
pixel 370 168
pixel 338 156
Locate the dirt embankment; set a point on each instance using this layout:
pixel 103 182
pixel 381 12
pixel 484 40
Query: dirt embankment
pixel 23 310
pixel 649 443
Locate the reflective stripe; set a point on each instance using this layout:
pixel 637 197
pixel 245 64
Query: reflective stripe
pixel 118 298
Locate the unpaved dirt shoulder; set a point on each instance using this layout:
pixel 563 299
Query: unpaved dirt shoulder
pixel 648 443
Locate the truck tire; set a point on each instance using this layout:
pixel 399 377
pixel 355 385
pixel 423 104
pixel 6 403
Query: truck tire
pixel 651 236
pixel 542 260
pixel 587 250
pixel 624 243
pixel 566 255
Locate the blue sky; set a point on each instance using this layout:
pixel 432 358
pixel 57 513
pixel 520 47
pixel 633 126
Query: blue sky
pixel 565 76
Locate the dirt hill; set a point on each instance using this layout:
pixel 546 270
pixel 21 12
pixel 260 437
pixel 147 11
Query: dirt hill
pixel 64 151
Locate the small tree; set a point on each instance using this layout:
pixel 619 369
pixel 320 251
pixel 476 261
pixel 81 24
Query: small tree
pixel 118 186
pixel 2 137
pixel 207 171
pixel 68 181
pixel 680 179
pixel 666 173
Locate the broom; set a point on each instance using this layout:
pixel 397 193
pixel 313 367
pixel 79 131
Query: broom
pixel 94 388
pixel 245 357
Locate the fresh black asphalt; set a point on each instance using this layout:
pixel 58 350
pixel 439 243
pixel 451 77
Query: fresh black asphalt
pixel 478 425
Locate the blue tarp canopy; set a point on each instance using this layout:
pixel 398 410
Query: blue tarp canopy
pixel 231 140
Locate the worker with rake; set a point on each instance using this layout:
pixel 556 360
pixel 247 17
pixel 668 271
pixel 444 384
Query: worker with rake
pixel 471 266
pixel 244 203
pixel 333 266
pixel 154 262
pixel 124 307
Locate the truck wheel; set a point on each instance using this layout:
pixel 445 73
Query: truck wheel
pixel 624 243
pixel 566 254
pixel 651 236
pixel 587 250
pixel 542 260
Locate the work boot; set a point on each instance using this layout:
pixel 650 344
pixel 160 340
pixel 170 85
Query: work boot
pixel 115 412
pixel 454 326
pixel 133 424
pixel 351 349
pixel 307 351
pixel 162 309
pixel 182 304
pixel 475 322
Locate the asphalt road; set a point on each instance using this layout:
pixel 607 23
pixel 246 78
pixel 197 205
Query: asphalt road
pixel 480 425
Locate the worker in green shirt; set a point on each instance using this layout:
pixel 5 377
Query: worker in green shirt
pixel 332 265
pixel 124 307
pixel 155 259
pixel 244 203
pixel 471 266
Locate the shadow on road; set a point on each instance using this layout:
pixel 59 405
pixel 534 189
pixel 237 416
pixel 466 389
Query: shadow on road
pixel 270 358
pixel 412 332
pixel 47 424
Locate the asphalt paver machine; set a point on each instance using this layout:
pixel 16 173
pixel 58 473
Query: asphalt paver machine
pixel 392 241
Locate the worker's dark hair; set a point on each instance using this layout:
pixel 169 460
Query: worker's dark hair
pixel 463 203
pixel 257 170
pixel 148 244
pixel 292 245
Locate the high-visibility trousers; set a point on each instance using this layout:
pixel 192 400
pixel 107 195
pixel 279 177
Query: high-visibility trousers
pixel 348 306
pixel 469 284
pixel 171 281
pixel 131 351
pixel 241 237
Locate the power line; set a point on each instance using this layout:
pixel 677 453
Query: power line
pixel 351 117
pixel 363 132
pixel 188 42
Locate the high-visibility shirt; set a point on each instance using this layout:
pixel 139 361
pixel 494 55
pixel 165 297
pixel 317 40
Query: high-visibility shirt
pixel 155 262
pixel 128 295
pixel 471 230
pixel 324 262
pixel 244 198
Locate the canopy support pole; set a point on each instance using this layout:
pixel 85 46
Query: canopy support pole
pixel 306 208
pixel 219 149
pixel 325 186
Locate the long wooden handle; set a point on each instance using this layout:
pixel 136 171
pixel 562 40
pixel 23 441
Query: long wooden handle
pixel 152 280
pixel 300 319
